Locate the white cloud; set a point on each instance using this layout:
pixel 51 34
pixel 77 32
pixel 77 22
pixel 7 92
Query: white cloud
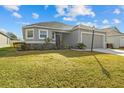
pixel 61 9
pixel 17 15
pixel 11 7
pixel 68 19
pixel 3 30
pixel 80 10
pixel 35 15
pixel 73 11
pixel 45 7
pixel 116 21
pixel 105 26
pixel 88 24
pixel 105 21
pixel 117 11
pixel 23 23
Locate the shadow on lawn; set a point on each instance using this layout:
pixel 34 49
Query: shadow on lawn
pixel 104 71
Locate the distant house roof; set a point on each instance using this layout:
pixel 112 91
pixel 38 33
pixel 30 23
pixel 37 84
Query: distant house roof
pixel 3 33
pixel 55 25
pixel 112 31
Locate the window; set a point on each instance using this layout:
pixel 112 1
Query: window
pixel 53 35
pixel 30 33
pixel 43 34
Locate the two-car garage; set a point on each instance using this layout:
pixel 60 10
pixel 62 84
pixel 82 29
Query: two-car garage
pixel 99 39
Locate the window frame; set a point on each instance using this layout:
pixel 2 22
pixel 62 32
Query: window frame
pixel 43 30
pixel 27 30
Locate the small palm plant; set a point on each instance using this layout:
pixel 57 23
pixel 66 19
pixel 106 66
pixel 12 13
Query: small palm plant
pixel 81 45
pixel 47 40
pixel 47 43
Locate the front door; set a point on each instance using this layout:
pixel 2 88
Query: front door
pixel 58 41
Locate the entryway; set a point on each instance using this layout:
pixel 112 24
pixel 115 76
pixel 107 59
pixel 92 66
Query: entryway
pixel 58 40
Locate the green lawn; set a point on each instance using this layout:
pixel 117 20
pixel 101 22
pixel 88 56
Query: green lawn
pixel 60 68
pixel 121 48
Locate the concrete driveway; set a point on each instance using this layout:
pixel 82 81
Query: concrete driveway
pixel 111 51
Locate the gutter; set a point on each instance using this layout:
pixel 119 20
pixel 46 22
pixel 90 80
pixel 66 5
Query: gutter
pixel 5 35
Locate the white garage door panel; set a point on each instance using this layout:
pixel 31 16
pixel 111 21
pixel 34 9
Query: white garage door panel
pixel 87 39
pixel 121 42
pixel 98 41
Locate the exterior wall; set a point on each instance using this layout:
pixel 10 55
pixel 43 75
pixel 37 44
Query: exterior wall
pixel 4 41
pixel 122 41
pixel 36 36
pixel 71 39
pixel 115 40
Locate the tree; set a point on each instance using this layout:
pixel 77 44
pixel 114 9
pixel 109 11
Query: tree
pixel 12 35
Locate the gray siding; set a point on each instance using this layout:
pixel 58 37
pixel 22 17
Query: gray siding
pixel 72 38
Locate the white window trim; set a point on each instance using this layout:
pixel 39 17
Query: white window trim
pixel 27 34
pixel 39 30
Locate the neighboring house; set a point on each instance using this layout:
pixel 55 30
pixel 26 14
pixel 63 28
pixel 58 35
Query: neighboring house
pixel 62 34
pixel 114 36
pixel 4 40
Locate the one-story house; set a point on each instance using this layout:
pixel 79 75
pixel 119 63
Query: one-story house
pixel 62 34
pixel 4 40
pixel 114 37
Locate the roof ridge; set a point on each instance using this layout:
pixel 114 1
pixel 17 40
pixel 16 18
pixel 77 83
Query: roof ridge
pixel 50 22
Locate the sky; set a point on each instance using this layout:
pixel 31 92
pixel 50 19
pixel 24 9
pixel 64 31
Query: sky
pixel 13 17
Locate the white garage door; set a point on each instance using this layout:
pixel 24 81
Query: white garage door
pixel 87 40
pixel 122 42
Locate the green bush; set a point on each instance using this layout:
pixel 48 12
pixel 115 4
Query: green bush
pixel 81 46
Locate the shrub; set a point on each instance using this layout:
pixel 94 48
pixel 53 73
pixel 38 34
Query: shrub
pixel 81 46
pixel 48 45
pixel 66 46
pixel 20 46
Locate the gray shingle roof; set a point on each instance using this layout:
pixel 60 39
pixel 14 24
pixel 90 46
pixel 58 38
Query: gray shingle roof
pixel 57 25
pixel 62 26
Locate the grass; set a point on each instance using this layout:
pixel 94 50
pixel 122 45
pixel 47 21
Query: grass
pixel 121 48
pixel 60 68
